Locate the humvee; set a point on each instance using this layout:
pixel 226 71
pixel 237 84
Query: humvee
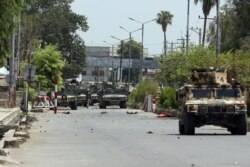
pixel 113 96
pixel 211 100
pixel 67 97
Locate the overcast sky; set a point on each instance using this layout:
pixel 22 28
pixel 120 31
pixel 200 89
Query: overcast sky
pixel 105 17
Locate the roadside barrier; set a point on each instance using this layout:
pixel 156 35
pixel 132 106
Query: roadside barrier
pixel 42 102
pixel 149 105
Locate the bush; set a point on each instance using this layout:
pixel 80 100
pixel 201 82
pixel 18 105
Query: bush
pixel 137 96
pixel 167 98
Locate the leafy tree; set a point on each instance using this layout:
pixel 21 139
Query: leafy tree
pixel 234 26
pixel 48 65
pixel 207 5
pixel 164 18
pixel 9 14
pixel 53 22
pixel 175 67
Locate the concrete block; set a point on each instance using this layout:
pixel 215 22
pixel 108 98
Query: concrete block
pixel 4 152
pixel 13 142
pixel 21 134
pixel 8 160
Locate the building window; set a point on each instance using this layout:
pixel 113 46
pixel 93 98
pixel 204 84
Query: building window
pixel 84 73
pixel 101 73
pixel 94 73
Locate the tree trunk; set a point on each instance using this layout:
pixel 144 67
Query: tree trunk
pixel 165 43
pixel 204 30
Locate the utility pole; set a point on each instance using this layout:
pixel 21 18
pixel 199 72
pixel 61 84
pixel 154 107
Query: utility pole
pixel 187 35
pixel 198 31
pixel 130 49
pixel 217 33
pixel 142 41
pixel 122 41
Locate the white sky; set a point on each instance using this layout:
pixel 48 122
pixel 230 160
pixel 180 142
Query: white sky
pixel 105 17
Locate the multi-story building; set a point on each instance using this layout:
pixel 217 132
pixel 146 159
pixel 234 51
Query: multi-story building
pixel 101 61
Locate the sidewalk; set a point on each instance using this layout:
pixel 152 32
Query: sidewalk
pixel 9 115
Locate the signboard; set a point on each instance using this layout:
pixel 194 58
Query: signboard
pixel 29 74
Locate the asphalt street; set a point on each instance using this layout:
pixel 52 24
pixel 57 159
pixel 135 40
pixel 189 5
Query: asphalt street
pixel 111 137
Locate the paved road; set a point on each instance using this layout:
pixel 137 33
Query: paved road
pixel 92 138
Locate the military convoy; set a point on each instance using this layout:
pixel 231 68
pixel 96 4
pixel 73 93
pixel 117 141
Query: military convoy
pixel 210 99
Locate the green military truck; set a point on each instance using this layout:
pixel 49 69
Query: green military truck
pixel 109 96
pixel 211 100
pixel 67 96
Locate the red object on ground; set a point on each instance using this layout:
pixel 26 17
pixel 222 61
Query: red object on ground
pixel 164 115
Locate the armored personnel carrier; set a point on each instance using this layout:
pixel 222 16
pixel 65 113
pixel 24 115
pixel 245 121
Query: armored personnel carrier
pixel 67 97
pixel 83 95
pixel 110 95
pixel 211 100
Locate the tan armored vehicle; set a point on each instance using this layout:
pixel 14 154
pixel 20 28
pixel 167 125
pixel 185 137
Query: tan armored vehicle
pixel 211 100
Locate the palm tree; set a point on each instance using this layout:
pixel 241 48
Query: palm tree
pixel 164 18
pixel 207 5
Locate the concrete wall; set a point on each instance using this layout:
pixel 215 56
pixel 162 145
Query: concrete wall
pixel 4 99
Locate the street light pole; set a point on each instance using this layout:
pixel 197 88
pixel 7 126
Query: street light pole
pixel 217 33
pixel 142 40
pixel 130 50
pixel 122 41
pixel 198 32
pixel 187 38
pixel 112 55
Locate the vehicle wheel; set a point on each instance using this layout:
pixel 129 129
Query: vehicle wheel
pixel 241 125
pixel 123 104
pixel 91 103
pixel 181 128
pixel 73 105
pixel 189 124
pixel 102 105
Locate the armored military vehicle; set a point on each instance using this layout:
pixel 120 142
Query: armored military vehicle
pixel 67 97
pixel 94 89
pixel 211 100
pixel 83 95
pixel 113 96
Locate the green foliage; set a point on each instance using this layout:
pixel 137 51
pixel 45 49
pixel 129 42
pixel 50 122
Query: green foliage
pixel 167 98
pixel 146 87
pixel 53 22
pixel 236 64
pixel 48 65
pixel 9 13
pixel 32 94
pixel 234 26
pixel 176 66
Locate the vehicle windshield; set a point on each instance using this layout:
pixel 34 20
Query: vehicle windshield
pixel 115 91
pixel 201 93
pixel 227 93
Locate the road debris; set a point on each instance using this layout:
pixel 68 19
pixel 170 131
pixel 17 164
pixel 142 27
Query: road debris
pixel 150 132
pixel 164 115
pixel 66 112
pixel 132 112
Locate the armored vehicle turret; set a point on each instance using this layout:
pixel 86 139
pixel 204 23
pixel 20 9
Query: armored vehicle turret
pixel 212 98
